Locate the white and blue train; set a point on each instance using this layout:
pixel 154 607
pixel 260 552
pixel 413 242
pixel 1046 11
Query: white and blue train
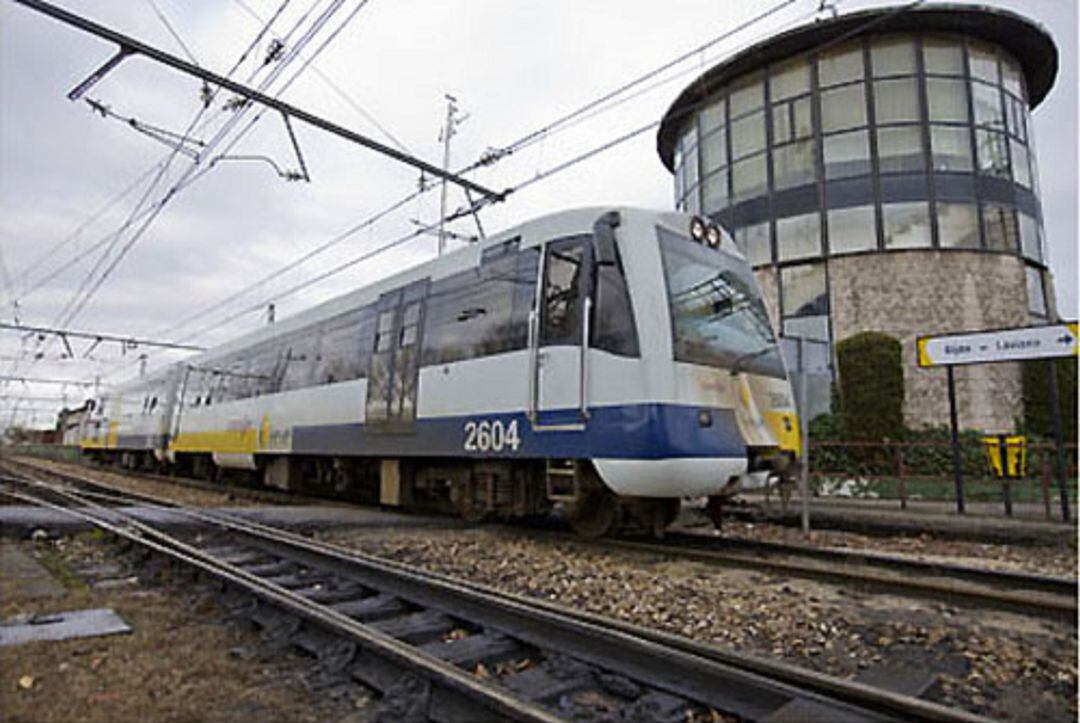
pixel 609 361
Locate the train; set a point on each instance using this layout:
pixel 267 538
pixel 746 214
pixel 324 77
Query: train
pixel 603 362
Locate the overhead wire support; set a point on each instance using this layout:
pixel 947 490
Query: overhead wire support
pixel 131 46
pixel 128 342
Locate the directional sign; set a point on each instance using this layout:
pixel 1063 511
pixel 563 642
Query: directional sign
pixel 1002 345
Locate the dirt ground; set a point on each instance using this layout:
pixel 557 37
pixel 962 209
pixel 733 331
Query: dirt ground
pixel 182 662
pixel 995 663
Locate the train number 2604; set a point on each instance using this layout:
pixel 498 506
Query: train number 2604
pixel 491 436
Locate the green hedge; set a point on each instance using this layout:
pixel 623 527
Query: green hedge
pixel 1038 415
pixel 932 460
pixel 871 386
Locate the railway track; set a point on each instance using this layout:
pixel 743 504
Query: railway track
pixel 1028 593
pixel 1032 594
pixel 450 651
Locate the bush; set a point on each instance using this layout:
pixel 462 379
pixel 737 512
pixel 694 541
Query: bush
pixel 871 386
pixel 1038 414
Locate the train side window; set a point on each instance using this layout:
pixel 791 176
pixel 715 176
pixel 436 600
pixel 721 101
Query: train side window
pixel 561 315
pixel 483 311
pixel 383 331
pixel 614 329
pixel 346 346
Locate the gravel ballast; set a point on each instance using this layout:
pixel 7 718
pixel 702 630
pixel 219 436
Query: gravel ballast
pixel 994 663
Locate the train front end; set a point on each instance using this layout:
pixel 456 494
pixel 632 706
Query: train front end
pixel 726 355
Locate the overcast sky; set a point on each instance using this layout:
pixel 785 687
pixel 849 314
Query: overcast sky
pixel 514 66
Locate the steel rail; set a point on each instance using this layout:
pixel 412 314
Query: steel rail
pixel 457 681
pixel 869 698
pixel 1042 595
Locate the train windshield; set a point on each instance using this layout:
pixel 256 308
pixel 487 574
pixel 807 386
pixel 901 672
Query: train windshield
pixel 718 318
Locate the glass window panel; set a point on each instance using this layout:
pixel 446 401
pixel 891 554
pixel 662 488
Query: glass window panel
pixel 999 228
pixel 712 116
pixel 983 62
pixel 680 186
pixel 843 107
pixel 958 226
pixel 951 148
pixel 693 200
pixel 782 125
pixel 798 237
pixel 747 98
pixel 947 99
pixel 847 154
pixel 814 328
pixel 748 177
pixel 748 135
pixel 792 120
pixel 900 149
pixel 840 65
pixel 793 164
pixel 851 230
pixel 714 151
pixel 1035 292
pixel 690 168
pixel 1010 77
pixel 1020 168
pixel 896 100
pixel 893 56
pixel 1029 237
pixel 943 55
pixel 789 79
pixel 560 322
pixel 1016 117
pixel 986 100
pixel 906 225
pixel 993 153
pixel 804 291
pixel 754 243
pixel 715 191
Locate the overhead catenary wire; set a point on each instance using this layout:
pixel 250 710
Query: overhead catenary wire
pixel 333 86
pixel 159 169
pixel 546 174
pixel 72 311
pixel 559 168
pixel 562 122
pixel 172 31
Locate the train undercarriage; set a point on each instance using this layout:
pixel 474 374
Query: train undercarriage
pixel 475 490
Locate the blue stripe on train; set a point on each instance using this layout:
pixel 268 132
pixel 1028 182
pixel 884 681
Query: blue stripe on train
pixel 635 431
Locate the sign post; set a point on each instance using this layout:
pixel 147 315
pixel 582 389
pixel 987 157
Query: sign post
pixel 1002 345
pixel 958 465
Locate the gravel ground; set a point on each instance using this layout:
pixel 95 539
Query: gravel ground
pixel 181 663
pixel 1045 559
pixel 995 663
pixel 176 492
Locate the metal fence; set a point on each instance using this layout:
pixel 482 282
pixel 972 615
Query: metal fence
pixel 923 471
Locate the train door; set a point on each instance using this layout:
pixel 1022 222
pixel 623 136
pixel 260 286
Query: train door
pixel 560 328
pixel 395 358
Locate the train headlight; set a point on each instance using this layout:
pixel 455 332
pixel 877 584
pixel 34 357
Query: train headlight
pixel 712 236
pixel 697 229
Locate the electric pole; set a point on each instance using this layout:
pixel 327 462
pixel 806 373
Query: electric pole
pixel 453 120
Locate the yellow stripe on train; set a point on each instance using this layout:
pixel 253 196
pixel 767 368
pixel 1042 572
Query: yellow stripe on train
pixel 230 441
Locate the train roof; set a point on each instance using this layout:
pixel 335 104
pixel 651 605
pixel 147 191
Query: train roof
pixel 531 233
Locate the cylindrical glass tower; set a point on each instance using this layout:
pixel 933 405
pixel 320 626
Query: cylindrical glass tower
pixel 878 170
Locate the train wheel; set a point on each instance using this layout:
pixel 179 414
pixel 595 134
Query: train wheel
pixel 595 514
